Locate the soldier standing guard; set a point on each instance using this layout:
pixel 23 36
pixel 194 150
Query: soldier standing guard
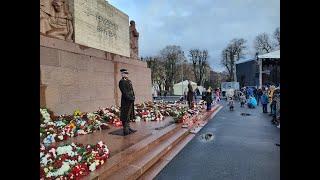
pixel 127 102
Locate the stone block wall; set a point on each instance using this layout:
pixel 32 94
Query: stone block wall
pixel 79 77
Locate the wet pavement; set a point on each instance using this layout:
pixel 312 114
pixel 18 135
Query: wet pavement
pixel 241 148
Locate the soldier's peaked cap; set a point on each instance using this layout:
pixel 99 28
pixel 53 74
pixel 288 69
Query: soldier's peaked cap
pixel 123 70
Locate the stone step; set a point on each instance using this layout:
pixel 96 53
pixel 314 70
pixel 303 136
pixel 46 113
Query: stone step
pixel 153 171
pixel 157 167
pixel 203 119
pixel 125 157
pixel 135 169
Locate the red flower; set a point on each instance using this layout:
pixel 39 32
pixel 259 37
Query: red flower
pixel 65 137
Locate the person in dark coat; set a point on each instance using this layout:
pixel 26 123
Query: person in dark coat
pixel 264 102
pixel 127 102
pixel 208 99
pixel 255 94
pixel 190 95
pixel 259 94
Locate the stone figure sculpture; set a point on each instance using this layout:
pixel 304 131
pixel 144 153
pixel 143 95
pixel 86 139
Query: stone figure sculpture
pixel 55 19
pixel 134 35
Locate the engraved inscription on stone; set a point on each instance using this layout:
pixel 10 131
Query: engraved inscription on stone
pixel 99 25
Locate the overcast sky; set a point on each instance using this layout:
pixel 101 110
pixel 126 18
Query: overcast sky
pixel 209 24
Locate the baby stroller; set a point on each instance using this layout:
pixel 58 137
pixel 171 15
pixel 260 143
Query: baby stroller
pixel 231 103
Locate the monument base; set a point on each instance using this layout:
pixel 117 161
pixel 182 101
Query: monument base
pixel 84 78
pixel 43 95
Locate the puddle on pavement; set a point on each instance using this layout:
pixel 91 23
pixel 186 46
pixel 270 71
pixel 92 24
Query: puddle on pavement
pixel 207 137
pixel 245 114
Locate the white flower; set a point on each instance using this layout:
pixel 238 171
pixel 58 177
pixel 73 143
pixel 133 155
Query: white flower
pixel 60 137
pixel 100 143
pixel 46 170
pixel 81 131
pixel 79 158
pixel 53 151
pixel 138 119
pixel 65 150
pixel 92 167
pixel 61 171
pixel 44 160
pixel 72 162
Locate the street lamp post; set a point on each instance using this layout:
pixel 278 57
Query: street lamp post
pixel 183 61
pixel 235 71
pixel 259 60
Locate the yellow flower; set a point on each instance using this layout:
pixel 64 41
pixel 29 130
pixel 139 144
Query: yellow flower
pixel 77 113
pixel 72 125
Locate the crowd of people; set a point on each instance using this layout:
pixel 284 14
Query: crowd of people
pixel 207 95
pixel 267 95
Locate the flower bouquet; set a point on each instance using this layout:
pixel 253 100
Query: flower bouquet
pixel 71 161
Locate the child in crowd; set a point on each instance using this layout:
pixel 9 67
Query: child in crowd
pixel 252 102
pixel 231 103
pixel 242 99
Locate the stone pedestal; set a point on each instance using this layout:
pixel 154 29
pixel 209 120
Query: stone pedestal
pixel 87 78
pixel 43 95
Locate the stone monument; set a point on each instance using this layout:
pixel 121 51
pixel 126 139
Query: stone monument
pixel 83 45
pixel 55 19
pixel 42 93
pixel 99 25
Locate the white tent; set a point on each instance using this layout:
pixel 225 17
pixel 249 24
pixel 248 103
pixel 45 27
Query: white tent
pixel 272 55
pixel 181 87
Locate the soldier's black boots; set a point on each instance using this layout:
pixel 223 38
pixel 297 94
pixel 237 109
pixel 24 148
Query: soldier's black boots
pixel 132 130
pixel 127 129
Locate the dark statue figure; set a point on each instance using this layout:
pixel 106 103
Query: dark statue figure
pixel 134 36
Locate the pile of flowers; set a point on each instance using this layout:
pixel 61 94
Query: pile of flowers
pixel 71 161
pixel 59 128
pixel 148 112
pixel 110 115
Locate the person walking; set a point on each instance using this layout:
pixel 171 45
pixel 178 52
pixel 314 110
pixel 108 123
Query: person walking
pixel 208 99
pixel 259 94
pixel 190 94
pixel 270 94
pixel 264 102
pixel 276 106
pixel 255 94
pixel 127 102
pixel 217 95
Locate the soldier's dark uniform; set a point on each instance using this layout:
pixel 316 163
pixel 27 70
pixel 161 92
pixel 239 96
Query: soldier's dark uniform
pixel 127 104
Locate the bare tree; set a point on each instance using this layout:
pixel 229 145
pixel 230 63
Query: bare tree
pixel 188 72
pixel 158 75
pixel 217 78
pixel 232 53
pixel 171 56
pixel 199 59
pixel 262 43
pixel 276 36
